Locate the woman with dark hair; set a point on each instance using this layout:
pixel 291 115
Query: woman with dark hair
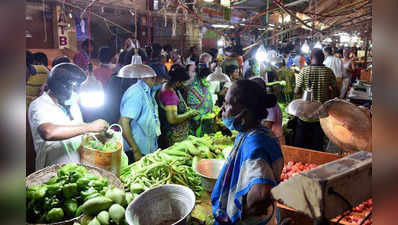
pixel 199 97
pixel 233 72
pixel 60 59
pixel 198 94
pixel 40 59
pixel 82 58
pixel 104 72
pixel 173 111
pixel 242 194
pixel 274 119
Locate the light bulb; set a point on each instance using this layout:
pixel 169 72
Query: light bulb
pixel 92 99
pixel 220 42
pixel 305 49
pixel 91 93
pixel 261 54
pixel 318 45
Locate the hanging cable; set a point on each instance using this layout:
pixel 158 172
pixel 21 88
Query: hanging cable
pixel 101 17
pixel 44 21
pixel 89 34
pixel 135 20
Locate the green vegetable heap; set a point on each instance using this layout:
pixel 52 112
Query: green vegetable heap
pixel 72 192
pixel 96 144
pixel 174 164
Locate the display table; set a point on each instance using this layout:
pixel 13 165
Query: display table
pixel 202 213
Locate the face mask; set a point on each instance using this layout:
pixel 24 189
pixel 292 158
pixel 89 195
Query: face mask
pixel 157 87
pixel 73 99
pixel 230 124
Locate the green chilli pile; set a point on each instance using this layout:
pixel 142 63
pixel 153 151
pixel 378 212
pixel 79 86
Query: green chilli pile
pixel 74 192
pixel 174 164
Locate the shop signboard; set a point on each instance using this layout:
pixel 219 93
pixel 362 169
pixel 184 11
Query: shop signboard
pixel 62 25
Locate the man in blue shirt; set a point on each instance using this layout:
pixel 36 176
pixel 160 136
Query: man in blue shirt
pixel 139 115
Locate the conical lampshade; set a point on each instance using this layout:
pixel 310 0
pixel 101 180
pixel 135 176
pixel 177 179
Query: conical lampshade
pixel 218 75
pixel 305 107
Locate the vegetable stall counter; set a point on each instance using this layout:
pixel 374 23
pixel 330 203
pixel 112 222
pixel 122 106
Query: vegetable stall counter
pixel 296 160
pixel 311 157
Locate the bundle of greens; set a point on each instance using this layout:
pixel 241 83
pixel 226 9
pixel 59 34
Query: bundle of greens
pixel 109 146
pixel 174 164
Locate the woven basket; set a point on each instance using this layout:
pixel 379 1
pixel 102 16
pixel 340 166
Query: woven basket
pixel 110 161
pixel 42 176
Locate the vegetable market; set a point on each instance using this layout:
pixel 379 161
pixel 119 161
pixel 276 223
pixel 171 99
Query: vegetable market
pixel 199 112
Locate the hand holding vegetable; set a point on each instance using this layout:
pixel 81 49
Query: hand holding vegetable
pixel 97 126
pixel 194 112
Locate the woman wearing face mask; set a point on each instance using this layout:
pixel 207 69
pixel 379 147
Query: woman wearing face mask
pixel 200 98
pixel 173 111
pixel 241 194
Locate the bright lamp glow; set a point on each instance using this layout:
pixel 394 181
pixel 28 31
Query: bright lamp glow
pixel 261 54
pixel 306 48
pixel 220 42
pixel 91 93
pixel 344 37
pixel 225 3
pixel 208 1
pixel 222 26
pixel 92 99
pixel 318 45
pixel 286 19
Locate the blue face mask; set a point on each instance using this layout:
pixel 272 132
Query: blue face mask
pixel 157 87
pixel 72 100
pixel 230 124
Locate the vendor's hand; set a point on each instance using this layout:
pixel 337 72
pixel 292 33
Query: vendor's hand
pixel 194 112
pixel 98 126
pixel 137 155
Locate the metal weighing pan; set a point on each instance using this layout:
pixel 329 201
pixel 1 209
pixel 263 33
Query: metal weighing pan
pixel 346 125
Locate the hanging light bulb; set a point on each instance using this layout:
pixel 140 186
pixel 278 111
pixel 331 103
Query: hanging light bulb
pixel 225 3
pixel 91 91
pixel 261 54
pixel 318 45
pixel 220 42
pixel 305 48
pixel 220 51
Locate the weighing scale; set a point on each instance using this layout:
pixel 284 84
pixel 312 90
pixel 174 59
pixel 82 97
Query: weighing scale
pixel 335 187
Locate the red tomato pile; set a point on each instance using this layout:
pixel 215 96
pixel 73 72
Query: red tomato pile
pixel 292 168
pixel 365 206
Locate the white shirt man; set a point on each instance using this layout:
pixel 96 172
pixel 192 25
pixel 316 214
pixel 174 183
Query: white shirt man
pixel 55 118
pixel 45 110
pixel 335 64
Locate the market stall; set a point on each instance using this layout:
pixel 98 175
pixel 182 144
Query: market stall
pixel 268 40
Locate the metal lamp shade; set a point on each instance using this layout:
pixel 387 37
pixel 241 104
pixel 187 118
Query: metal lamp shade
pixel 346 125
pixel 218 75
pixel 137 71
pixel 305 107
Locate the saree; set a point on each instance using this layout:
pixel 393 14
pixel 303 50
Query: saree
pixel 255 159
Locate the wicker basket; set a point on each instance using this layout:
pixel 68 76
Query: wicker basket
pixel 109 161
pixel 42 176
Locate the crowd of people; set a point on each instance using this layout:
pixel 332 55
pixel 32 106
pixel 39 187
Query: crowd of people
pixel 162 100
pixel 160 97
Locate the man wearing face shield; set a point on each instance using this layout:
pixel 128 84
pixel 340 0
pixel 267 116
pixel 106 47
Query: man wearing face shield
pixel 56 120
pixel 139 111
